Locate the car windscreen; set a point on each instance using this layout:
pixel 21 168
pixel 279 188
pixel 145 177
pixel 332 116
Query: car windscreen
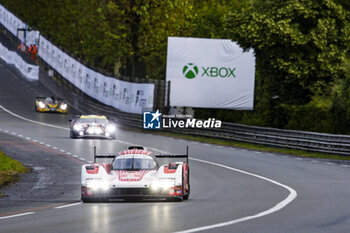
pixel 92 120
pixel 133 163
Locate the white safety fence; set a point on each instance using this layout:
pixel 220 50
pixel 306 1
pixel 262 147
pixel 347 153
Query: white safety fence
pixel 10 57
pixel 126 96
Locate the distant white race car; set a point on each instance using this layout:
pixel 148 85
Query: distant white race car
pixel 95 126
pixel 135 173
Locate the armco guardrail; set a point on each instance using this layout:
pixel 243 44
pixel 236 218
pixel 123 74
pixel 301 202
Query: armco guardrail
pixel 309 141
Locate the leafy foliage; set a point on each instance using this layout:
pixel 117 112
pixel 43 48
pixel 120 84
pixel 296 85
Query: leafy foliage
pixel 301 47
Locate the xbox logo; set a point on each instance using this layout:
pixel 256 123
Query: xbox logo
pixel 190 70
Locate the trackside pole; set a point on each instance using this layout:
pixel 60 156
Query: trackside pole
pixel 94 154
pixel 187 154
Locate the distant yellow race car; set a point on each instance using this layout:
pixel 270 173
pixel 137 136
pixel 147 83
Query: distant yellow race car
pixel 50 104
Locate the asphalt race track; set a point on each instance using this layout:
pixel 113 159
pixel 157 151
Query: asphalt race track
pixel 232 190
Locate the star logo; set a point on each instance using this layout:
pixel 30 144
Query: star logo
pixel 156 115
pixel 151 120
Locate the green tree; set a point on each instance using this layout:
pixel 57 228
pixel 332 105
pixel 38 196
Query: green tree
pixel 300 46
pixel 211 16
pixel 148 24
pixel 126 35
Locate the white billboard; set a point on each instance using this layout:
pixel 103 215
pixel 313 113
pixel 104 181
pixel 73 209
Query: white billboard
pixel 210 73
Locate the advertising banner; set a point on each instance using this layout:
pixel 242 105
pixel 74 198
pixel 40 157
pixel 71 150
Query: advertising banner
pixel 10 57
pixel 210 73
pixel 126 96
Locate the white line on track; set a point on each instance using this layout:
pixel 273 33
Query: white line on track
pixel 344 165
pixel 28 138
pixel 16 215
pixel 48 145
pixel 292 193
pixel 65 206
pixel 35 122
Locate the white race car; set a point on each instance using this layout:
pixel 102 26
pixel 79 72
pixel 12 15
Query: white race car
pixel 95 126
pixel 135 173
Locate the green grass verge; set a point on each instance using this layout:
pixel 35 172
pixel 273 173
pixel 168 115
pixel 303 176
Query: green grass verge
pixel 249 146
pixel 9 169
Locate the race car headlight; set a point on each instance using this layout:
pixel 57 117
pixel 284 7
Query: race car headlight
pixel 63 106
pixel 155 186
pixel 41 104
pixel 110 128
pixel 162 185
pixel 77 127
pixel 98 131
pixel 98 185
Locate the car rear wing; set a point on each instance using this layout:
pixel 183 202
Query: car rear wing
pixel 43 98
pixel 102 156
pixel 173 155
